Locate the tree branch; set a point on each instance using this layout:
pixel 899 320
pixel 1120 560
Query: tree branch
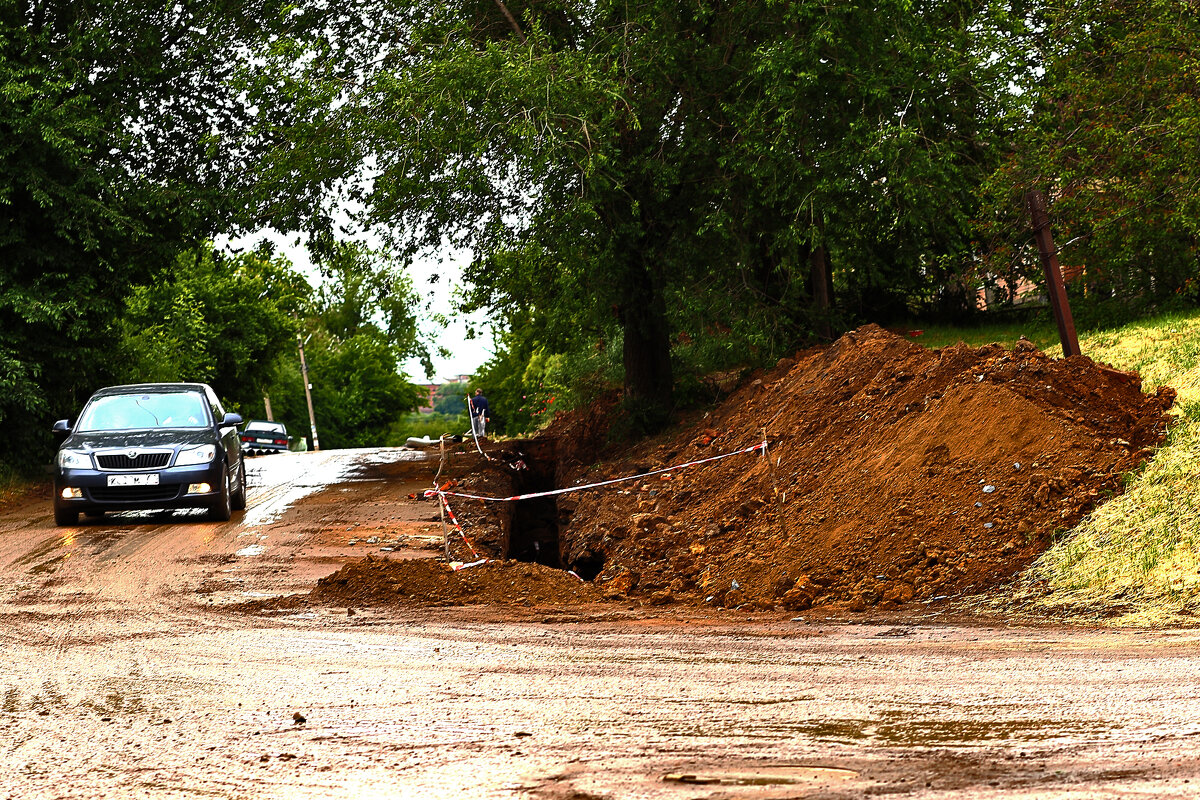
pixel 511 20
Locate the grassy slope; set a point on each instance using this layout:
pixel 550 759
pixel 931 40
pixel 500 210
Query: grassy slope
pixel 1136 559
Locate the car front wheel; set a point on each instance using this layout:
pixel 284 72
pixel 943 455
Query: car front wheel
pixel 222 508
pixel 238 499
pixel 63 517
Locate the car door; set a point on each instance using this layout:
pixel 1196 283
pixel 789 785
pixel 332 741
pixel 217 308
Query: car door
pixel 231 441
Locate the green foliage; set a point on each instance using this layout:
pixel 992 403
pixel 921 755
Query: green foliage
pixel 357 392
pixel 431 425
pixel 365 289
pixel 610 162
pixel 1039 329
pixel 1110 141
pixel 215 319
pixel 358 330
pixel 110 165
pixel 526 384
pixel 450 399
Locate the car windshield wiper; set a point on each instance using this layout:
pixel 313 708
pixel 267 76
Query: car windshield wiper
pixel 157 421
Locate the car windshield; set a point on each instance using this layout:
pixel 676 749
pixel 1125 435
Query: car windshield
pixel 121 412
pixel 265 427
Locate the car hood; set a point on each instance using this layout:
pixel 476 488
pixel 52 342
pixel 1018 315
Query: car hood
pixel 163 438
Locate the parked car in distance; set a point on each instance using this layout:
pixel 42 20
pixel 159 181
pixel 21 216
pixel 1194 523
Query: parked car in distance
pixel 149 446
pixel 260 437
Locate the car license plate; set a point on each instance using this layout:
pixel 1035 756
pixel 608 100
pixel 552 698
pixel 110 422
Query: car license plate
pixel 265 441
pixel 150 479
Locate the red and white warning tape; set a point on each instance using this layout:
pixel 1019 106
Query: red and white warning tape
pixel 454 519
pixel 444 494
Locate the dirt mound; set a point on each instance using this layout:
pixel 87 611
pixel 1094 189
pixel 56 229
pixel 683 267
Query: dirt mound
pixel 424 582
pixel 894 473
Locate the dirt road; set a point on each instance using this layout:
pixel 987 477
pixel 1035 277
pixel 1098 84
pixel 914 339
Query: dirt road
pixel 128 672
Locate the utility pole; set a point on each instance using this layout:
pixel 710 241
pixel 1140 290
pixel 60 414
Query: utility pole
pixel 267 404
pixel 312 420
pixel 1054 278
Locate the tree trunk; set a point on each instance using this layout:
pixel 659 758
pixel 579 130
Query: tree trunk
pixel 647 351
pixel 822 290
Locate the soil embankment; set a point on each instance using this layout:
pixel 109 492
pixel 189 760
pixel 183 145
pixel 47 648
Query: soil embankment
pixel 894 474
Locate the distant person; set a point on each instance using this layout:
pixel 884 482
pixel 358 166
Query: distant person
pixel 479 413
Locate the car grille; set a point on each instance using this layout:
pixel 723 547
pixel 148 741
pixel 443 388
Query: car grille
pixel 121 461
pixel 134 494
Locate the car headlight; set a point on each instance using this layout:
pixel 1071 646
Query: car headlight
pixel 73 459
pixel 196 455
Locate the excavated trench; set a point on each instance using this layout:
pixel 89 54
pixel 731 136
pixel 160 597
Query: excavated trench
pixel 534 524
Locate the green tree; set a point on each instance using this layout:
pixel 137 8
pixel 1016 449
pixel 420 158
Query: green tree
pixel 109 167
pixel 603 159
pixel 357 392
pixel 450 399
pixel 360 327
pixel 226 321
pixel 1111 142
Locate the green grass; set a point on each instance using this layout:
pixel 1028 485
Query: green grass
pixel 1136 559
pixel 12 483
pixel 431 425
pixel 1042 333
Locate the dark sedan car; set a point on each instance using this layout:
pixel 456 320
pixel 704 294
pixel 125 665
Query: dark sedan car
pixel 261 436
pixel 150 445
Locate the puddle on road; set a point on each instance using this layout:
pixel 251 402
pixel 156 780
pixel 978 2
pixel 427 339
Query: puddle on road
pixel 941 732
pixel 298 475
pixel 767 776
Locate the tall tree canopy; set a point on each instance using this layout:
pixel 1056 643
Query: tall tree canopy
pixel 1111 141
pixel 112 160
pixel 620 162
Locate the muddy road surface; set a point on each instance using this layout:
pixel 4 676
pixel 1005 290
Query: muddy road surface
pixel 131 667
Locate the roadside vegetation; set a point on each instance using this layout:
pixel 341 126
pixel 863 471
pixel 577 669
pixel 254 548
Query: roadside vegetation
pixel 1136 559
pixel 432 425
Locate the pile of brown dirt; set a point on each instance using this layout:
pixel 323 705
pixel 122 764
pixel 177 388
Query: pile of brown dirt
pixel 894 474
pixel 425 582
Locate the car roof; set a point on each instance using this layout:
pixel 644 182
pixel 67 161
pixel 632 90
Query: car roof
pixel 263 422
pixel 147 388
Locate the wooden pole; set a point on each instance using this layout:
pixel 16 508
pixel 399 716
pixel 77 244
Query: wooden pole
pixel 1054 280
pixel 441 504
pixel 312 420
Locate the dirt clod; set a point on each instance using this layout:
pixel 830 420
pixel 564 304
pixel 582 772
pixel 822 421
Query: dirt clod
pixel 419 582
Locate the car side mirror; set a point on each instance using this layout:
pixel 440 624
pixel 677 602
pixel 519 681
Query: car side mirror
pixel 231 419
pixel 62 426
